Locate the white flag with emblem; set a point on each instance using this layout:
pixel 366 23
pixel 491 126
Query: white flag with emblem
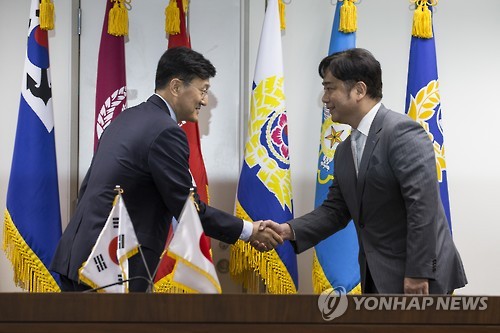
pixel 194 269
pixel 108 261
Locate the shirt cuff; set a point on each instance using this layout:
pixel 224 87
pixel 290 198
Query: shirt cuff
pixel 247 230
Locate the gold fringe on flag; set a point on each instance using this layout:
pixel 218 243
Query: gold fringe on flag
pixel 168 286
pixel 246 263
pixel 321 283
pixel 29 271
pixel 422 18
pixel 348 17
pixel 281 7
pixel 118 18
pixel 46 15
pixel 172 18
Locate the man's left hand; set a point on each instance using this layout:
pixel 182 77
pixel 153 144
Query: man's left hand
pixel 416 286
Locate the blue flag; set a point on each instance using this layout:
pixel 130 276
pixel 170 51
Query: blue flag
pixel 423 103
pixel 336 258
pixel 32 225
pixel 264 188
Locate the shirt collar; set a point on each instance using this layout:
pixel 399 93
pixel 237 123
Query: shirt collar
pixel 366 122
pixel 172 113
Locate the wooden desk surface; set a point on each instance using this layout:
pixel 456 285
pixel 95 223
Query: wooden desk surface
pixel 85 312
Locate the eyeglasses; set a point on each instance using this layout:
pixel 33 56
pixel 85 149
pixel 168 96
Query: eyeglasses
pixel 204 92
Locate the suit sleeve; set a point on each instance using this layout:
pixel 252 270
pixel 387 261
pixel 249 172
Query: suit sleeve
pixel 413 162
pixel 169 163
pixel 328 218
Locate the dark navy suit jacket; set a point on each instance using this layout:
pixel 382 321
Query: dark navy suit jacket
pixel 145 152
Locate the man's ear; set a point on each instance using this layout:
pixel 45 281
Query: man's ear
pixel 360 89
pixel 175 86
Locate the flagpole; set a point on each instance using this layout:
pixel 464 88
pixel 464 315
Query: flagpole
pixel 150 282
pixel 119 190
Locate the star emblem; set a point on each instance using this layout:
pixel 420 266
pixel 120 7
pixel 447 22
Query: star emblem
pixel 334 137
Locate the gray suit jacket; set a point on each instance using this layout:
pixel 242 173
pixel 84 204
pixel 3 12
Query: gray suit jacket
pixel 396 207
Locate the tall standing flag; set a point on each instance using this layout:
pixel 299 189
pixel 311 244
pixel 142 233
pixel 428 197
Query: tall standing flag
pixel 32 223
pixel 423 102
pixel 194 270
pixel 335 261
pixel 264 188
pixel 176 27
pixel 108 261
pixel 111 86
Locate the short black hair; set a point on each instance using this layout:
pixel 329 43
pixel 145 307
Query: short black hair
pixel 183 63
pixel 354 65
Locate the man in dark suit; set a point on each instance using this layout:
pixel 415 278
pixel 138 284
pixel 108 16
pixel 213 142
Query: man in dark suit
pixel 385 180
pixel 146 152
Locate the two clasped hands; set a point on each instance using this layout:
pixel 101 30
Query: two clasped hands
pixel 267 234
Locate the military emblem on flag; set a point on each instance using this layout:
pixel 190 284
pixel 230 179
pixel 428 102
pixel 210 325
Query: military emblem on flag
pixel 111 86
pixel 32 222
pixel 335 260
pixel 264 188
pixel 423 101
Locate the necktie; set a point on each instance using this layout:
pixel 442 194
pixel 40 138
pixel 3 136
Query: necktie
pixel 356 148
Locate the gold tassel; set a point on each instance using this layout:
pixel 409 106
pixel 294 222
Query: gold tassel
pixel 118 19
pixel 348 17
pixel 281 7
pixel 29 271
pixel 249 267
pixel 422 20
pixel 172 18
pixel 185 6
pixel 46 15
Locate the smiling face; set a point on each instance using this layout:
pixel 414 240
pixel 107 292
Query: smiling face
pixel 341 101
pixel 191 96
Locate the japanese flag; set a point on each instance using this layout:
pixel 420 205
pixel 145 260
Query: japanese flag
pixel 194 270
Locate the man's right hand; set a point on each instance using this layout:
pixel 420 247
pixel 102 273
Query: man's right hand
pixel 264 239
pixel 284 229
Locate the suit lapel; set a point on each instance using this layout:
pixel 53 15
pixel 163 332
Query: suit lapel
pixel 371 142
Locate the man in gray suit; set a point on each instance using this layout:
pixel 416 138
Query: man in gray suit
pixel 385 180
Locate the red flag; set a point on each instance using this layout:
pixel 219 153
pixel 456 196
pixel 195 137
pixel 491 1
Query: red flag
pixel 196 163
pixel 111 87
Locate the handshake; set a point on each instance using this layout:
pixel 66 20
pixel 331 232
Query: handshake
pixel 266 235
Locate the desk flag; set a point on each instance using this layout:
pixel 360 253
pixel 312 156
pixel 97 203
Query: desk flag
pixel 264 188
pixel 196 163
pixel 194 271
pixel 32 223
pixel 111 86
pixel 108 261
pixel 335 260
pixel 423 102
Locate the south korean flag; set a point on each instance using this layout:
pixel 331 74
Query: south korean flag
pixel 108 261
